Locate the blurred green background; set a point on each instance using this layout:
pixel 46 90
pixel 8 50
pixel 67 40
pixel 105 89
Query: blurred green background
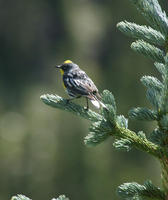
pixel 42 154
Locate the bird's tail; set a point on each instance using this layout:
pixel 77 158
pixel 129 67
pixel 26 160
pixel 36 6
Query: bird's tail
pixel 96 102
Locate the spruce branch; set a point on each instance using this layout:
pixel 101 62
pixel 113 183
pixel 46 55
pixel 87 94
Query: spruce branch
pixel 123 144
pixel 122 121
pixel 164 175
pixel 144 114
pixel 154 98
pixel 157 92
pixel 163 122
pixel 99 132
pixel 148 50
pixel 145 33
pixel 58 102
pixel 137 141
pixel 108 98
pixel 125 137
pixel 157 137
pixel 135 190
pixel 154 91
pixel 20 197
pixel 105 125
pixel 153 13
pixel 161 68
pixel 61 197
pixel 164 95
pixel 152 82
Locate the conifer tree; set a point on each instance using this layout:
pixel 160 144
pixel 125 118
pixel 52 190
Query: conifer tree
pixel 152 42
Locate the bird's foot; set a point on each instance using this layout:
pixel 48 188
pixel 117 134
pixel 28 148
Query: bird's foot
pixel 67 101
pixel 86 108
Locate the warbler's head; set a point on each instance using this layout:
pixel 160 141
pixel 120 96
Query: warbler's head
pixel 67 66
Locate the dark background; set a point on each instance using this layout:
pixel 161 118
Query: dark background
pixel 42 154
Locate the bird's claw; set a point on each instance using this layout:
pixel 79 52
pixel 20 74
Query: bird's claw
pixel 67 101
pixel 86 108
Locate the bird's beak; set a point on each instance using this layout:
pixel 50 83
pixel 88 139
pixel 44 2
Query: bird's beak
pixel 57 66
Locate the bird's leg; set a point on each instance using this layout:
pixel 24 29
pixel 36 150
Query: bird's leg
pixel 87 104
pixel 70 99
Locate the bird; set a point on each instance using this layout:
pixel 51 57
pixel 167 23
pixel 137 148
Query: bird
pixel 78 84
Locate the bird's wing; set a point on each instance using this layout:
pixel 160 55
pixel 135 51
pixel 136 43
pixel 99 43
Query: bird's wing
pixel 83 84
pixel 78 83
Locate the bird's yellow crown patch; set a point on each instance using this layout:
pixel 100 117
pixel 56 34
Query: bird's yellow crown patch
pixel 67 61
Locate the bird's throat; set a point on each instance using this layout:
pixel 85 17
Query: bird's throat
pixel 62 72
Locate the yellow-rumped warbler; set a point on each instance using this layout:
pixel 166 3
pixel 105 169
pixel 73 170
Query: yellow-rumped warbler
pixel 77 84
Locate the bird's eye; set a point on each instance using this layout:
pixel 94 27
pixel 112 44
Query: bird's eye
pixel 63 67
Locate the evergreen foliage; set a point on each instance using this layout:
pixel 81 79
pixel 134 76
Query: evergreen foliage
pixel 141 32
pixel 123 144
pixel 22 197
pixel 152 43
pixel 142 114
pixel 148 50
pixel 61 197
pixel 136 191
